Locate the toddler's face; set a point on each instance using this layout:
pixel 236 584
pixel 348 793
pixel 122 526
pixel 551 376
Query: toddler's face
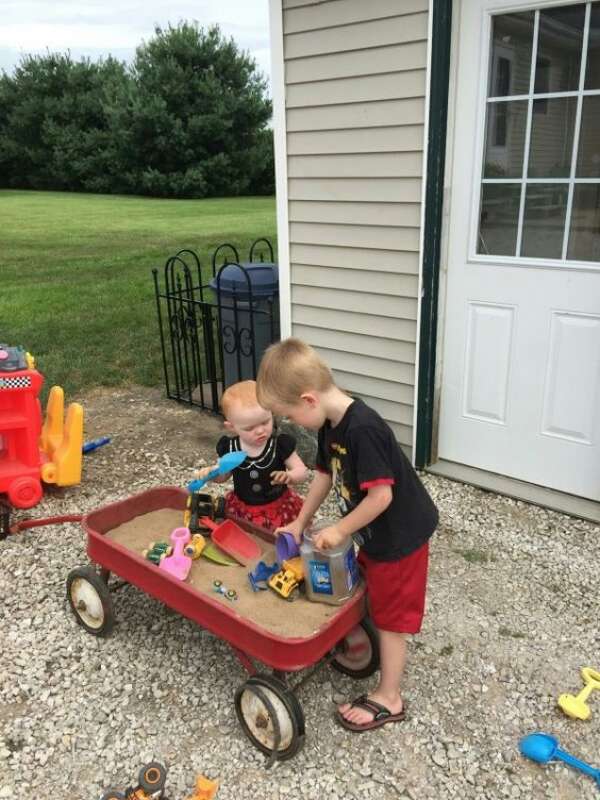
pixel 253 424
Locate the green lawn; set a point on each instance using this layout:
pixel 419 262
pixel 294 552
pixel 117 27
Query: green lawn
pixel 76 275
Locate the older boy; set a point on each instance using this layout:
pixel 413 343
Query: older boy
pixel 385 507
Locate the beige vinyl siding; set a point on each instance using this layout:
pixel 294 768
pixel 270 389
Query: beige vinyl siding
pixel 407 56
pixel 355 258
pixel 355 78
pixel 358 213
pixel 360 140
pixel 378 190
pixel 360 115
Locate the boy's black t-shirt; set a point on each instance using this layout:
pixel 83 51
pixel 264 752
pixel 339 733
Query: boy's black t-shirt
pixel 361 451
pixel 252 479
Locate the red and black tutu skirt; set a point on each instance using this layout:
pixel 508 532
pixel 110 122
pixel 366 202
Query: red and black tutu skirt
pixel 270 515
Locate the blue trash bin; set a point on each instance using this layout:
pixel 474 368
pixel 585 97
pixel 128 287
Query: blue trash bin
pixel 248 298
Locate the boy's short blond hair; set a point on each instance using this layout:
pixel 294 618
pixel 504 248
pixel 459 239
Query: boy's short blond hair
pixel 239 394
pixel 287 370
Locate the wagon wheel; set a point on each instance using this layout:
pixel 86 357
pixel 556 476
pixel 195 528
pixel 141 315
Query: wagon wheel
pixel 113 794
pixel 152 777
pixel 358 654
pixel 90 601
pixel 270 716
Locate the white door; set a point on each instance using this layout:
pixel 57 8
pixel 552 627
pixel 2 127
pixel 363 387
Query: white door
pixel 520 385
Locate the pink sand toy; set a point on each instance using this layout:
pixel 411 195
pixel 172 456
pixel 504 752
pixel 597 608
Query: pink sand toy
pixel 178 565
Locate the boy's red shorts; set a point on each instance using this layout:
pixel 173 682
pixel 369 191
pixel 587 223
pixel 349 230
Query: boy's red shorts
pixel 396 590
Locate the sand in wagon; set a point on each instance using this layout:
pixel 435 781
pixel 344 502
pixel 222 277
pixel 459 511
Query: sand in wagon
pixel 299 618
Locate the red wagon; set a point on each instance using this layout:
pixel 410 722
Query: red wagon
pixel 266 704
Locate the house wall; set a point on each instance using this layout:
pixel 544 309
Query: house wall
pixel 355 77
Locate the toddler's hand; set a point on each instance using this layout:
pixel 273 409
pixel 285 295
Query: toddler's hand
pixel 280 476
pixel 292 527
pixel 327 538
pixel 204 471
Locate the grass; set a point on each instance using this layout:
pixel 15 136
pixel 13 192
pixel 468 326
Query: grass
pixel 76 271
pixel 508 633
pixel 475 556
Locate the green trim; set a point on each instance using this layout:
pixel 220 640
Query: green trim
pixel 436 159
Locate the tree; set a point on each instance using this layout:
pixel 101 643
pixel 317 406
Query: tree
pixel 193 119
pixel 54 132
pixel 187 119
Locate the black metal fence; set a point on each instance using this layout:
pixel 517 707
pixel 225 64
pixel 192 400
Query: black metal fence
pixel 214 327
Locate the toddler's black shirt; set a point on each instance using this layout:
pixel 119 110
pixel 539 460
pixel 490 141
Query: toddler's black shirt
pixel 252 479
pixel 361 451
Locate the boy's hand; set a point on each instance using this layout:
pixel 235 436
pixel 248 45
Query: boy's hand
pixel 204 471
pixel 281 476
pixel 328 538
pixel 295 528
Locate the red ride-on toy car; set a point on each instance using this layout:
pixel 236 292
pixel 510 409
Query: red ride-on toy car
pixel 32 452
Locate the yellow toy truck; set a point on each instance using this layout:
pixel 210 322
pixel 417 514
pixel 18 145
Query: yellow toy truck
pixel 286 582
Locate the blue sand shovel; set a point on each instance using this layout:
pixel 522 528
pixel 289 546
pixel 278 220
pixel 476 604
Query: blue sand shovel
pixel 542 747
pixel 226 463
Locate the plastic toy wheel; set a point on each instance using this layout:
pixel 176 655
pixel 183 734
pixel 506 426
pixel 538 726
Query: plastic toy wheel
pixel 90 600
pixel 152 777
pixel 25 492
pixel 270 716
pixel 358 654
pixel 219 507
pixel 113 794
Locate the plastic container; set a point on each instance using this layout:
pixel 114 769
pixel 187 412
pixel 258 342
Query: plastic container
pixel 330 576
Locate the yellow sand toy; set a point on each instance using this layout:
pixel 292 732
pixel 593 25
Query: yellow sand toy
pixel 205 789
pixel 62 440
pixel 575 706
pixel 195 546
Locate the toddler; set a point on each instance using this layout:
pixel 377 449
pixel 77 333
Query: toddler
pixel 260 484
pixel 385 507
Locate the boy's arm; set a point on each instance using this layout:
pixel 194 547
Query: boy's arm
pixel 318 491
pixel 375 503
pixel 295 471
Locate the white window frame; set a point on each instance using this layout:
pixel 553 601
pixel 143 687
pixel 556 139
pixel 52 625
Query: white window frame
pixel 482 103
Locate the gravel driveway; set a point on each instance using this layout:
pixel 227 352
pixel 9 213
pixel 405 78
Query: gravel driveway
pixel 513 615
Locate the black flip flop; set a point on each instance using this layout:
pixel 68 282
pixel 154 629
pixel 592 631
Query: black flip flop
pixel 381 715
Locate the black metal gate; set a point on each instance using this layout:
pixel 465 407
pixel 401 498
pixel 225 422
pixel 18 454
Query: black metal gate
pixel 208 329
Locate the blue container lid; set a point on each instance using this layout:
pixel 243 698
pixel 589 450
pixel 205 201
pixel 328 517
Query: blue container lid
pixel 234 278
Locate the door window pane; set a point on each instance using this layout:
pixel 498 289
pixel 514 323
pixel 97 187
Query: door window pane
pixel 592 72
pixel 499 218
pixel 551 145
pixel 588 155
pixel 584 236
pixel 559 49
pixel 510 65
pixel 505 139
pixel 544 220
pixel 531 208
